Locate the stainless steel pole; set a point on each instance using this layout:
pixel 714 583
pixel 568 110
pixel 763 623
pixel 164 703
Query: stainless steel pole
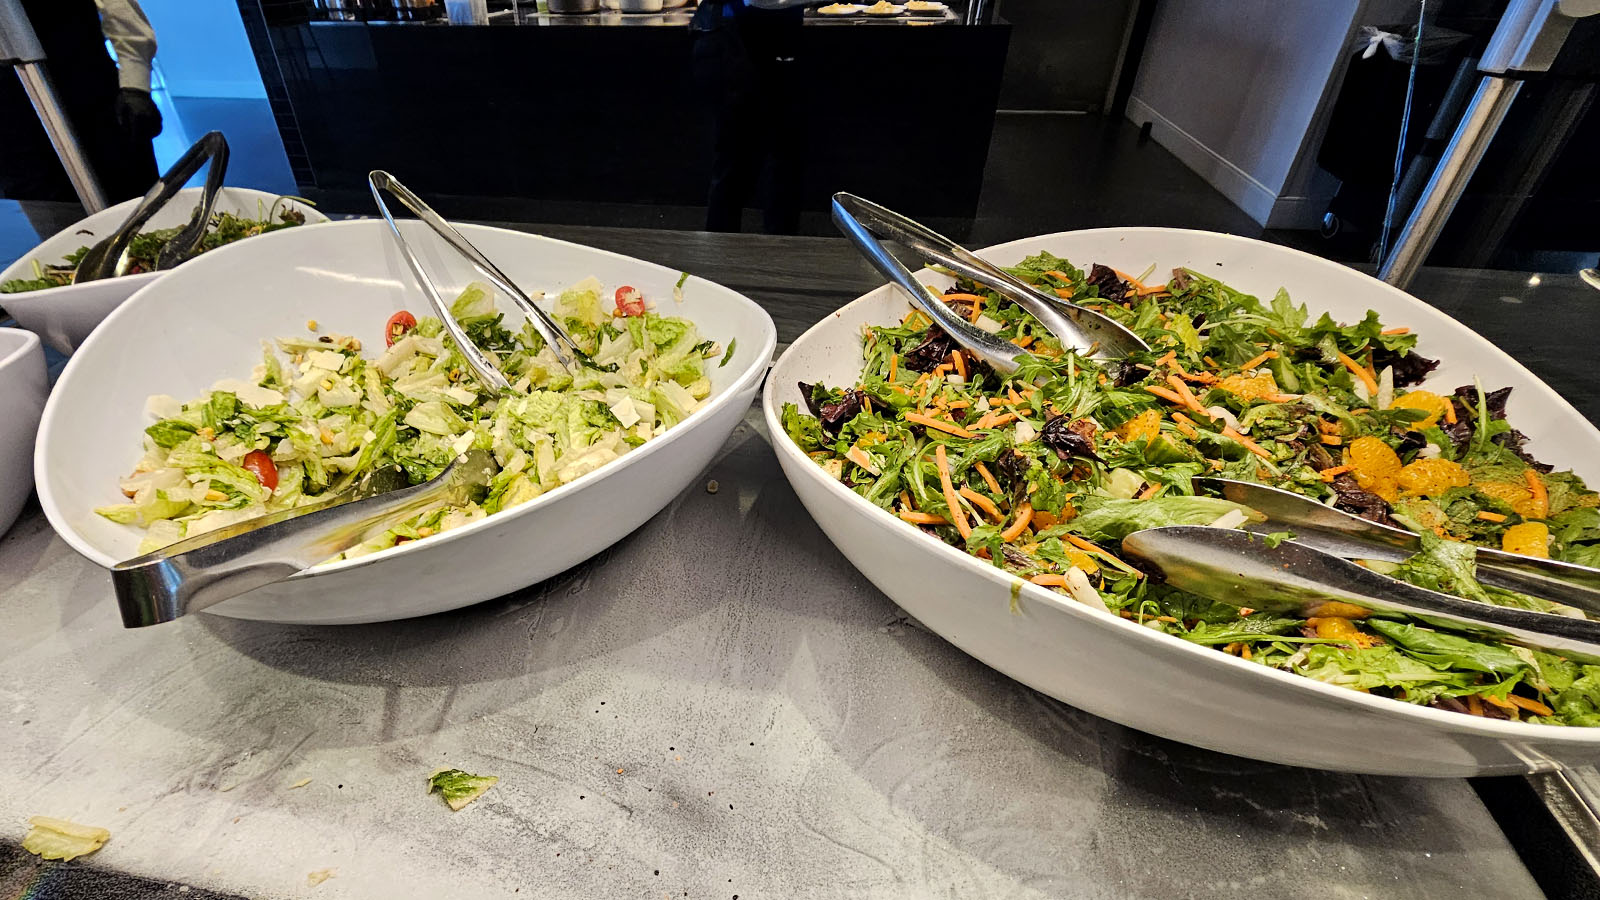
pixel 20 48
pixel 1479 123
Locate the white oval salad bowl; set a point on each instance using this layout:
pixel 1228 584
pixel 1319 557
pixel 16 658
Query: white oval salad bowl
pixel 23 386
pixel 206 321
pixel 1154 682
pixel 64 316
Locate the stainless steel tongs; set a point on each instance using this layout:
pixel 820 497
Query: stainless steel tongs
pixel 109 257
pixel 1079 328
pixel 566 350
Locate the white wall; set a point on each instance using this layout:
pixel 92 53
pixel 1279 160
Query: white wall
pixel 202 49
pixel 1234 88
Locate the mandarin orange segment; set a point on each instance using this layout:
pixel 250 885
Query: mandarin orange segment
pixel 1375 465
pixel 1143 427
pixel 1427 401
pixel 1250 389
pixel 1516 496
pixel 1528 539
pixel 1432 477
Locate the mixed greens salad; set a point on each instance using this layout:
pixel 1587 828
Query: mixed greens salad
pixel 145 247
pixel 1042 473
pixel 316 415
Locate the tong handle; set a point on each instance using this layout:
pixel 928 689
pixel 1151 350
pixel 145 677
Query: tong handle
pixel 182 246
pixel 1001 355
pixel 562 345
pixel 105 263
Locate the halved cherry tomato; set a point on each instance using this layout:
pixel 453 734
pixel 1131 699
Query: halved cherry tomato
pixel 629 302
pixel 259 464
pixel 399 323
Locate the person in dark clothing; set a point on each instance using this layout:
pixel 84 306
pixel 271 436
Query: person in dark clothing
pixel 745 65
pixel 107 103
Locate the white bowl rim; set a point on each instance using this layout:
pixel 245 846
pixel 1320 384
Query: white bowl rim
pixel 24 345
pixel 138 279
pixel 1435 718
pixel 757 370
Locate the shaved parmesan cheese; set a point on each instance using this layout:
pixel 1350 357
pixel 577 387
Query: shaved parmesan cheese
pixel 164 406
pixel 988 324
pixel 252 394
pixel 1025 432
pixel 626 412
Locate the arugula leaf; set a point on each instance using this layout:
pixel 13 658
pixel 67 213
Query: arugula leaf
pixel 1450 651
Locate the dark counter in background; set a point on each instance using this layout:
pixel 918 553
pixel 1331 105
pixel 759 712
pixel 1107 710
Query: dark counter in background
pixel 524 113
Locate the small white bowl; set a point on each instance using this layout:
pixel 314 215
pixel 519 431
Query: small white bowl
pixel 65 315
pixel 23 387
pixel 206 321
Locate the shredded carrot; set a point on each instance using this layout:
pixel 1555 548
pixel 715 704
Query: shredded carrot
pixel 988 479
pixel 1360 372
pixel 1167 357
pixel 1506 705
pixel 1256 361
pixel 1533 706
pixel 1015 529
pixel 1048 580
pixel 1401 330
pixel 1188 396
pixel 1064 293
pixel 983 503
pixel 1133 282
pixel 1196 377
pixel 974 298
pixel 1027 392
pixel 1187 430
pixel 894 367
pixel 1372 371
pixel 1150 490
pixel 1059 274
pixel 1013 396
pixel 1541 497
pixel 1450 411
pixel 958 404
pixel 1023 341
pixel 960 362
pixel 1332 440
pixel 1331 472
pixel 922 518
pixel 1474 705
pixel 1211 362
pixel 1001 419
pixel 1164 394
pixel 942 460
pixel 930 422
pixel 1280 398
pixel 905 500
pixel 977 310
pixel 1488 516
pixel 1252 446
pixel 1101 552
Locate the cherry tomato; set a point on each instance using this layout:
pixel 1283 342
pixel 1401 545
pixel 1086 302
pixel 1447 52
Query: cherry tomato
pixel 259 464
pixel 629 302
pixel 399 323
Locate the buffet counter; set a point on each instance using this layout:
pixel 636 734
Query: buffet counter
pixel 605 107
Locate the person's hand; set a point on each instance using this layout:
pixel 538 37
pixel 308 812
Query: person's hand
pixel 137 114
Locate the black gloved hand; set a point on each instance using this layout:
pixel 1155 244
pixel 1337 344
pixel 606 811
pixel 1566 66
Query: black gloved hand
pixel 137 114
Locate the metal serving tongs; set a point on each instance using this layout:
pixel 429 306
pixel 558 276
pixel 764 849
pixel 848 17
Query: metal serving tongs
pixel 109 258
pixel 1079 328
pixel 1352 537
pixel 207 569
pixel 1238 568
pixel 566 350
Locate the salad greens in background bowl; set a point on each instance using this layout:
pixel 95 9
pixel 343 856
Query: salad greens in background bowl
pixel 37 288
pixel 308 359
pixel 1087 454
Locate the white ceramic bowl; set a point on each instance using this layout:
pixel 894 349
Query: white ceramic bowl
pixel 207 319
pixel 1155 682
pixel 64 316
pixel 23 387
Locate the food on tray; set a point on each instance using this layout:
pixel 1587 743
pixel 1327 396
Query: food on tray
pixel 840 9
pixel 304 428
pixel 884 8
pixel 459 788
pixel 1042 473
pixel 925 7
pixel 224 228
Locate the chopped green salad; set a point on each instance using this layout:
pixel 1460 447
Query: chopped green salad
pixel 1043 473
pixel 316 415
pixel 146 246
